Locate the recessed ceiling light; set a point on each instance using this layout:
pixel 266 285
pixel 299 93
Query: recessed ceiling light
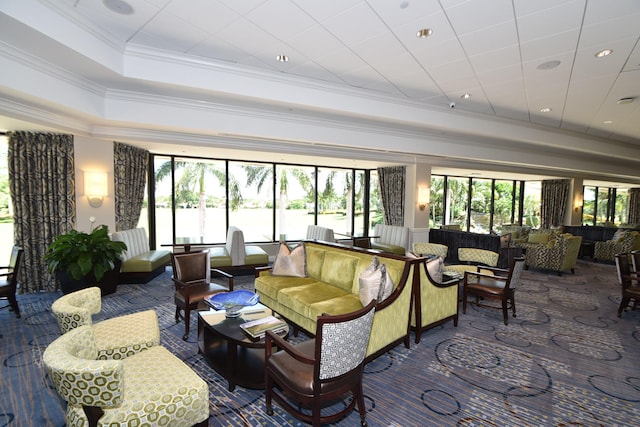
pixel 282 58
pixel 608 122
pixel 404 5
pixel 545 110
pixel 622 101
pixel 603 53
pixel 424 33
pixel 548 65
pixel 118 6
pixel 466 96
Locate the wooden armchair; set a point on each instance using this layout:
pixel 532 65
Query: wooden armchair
pixel 192 279
pixel 9 280
pixel 629 282
pixel 317 372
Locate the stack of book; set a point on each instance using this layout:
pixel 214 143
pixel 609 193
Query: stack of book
pixel 259 327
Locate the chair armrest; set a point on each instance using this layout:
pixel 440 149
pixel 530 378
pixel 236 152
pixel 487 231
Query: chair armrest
pixel 228 276
pixel 488 276
pixel 493 269
pixel 271 338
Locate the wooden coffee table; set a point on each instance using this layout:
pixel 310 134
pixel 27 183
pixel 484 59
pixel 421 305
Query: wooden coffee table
pixel 229 351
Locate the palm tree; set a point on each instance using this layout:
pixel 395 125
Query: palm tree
pixel 192 181
pixel 260 175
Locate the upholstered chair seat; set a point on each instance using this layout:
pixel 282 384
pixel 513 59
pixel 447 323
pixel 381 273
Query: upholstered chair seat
pixel 150 388
pixel 116 338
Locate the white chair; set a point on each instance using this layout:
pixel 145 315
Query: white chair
pixel 316 232
pixel 391 239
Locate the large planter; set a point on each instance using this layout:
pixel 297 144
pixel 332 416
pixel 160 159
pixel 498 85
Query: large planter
pixel 107 284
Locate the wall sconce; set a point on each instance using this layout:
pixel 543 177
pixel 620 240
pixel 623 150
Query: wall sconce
pixel 95 187
pixel 424 194
pixel 577 204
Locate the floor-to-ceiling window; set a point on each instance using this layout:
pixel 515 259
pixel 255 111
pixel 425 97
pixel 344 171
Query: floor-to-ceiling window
pixel 456 202
pixel 436 202
pixel 531 203
pixel 506 195
pixel 6 210
pixel 481 205
pixel 604 206
pixel 376 215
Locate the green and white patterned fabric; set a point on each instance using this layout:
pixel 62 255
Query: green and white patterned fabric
pixel 623 241
pixel 471 258
pixel 423 248
pixel 116 338
pixel 150 388
pixel 559 254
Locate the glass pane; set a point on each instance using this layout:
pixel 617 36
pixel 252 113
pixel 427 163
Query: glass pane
pixel 532 200
pixel 294 202
pixel 335 201
pixel 436 202
pixel 589 206
pixel 480 205
pixel 456 202
pixel 602 217
pixel 375 204
pixel 358 209
pixel 502 204
pixel 163 208
pixel 253 211
pixel 622 205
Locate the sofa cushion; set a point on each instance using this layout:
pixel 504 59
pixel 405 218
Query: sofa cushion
pixel 255 255
pixel 338 270
pixel 315 260
pixel 538 238
pixel 345 304
pixel 290 262
pixel 146 262
pixel 300 298
pixel 219 257
pixel 271 285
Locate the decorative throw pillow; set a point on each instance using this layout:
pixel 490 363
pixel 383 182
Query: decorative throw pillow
pixel 375 282
pixel 434 267
pixel 290 262
pixel 505 240
pixel 538 238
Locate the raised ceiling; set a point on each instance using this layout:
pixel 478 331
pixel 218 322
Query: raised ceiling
pixel 351 60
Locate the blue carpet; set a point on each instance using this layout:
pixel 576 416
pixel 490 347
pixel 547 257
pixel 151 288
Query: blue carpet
pixel 565 360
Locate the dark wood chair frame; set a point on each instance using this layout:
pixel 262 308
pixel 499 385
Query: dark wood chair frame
pixel 629 280
pixel 186 299
pixel 501 288
pixel 348 382
pixel 8 291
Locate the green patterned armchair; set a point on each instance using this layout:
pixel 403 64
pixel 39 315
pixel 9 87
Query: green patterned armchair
pixel 559 254
pixel 471 258
pixel 623 241
pixel 423 248
pixel 150 388
pixel 118 337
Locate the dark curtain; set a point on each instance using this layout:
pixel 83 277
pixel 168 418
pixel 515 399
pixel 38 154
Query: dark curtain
pixel 633 216
pixel 392 181
pixel 554 202
pixel 130 178
pixel 42 186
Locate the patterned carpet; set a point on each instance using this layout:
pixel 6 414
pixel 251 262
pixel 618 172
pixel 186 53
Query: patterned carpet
pixel 565 360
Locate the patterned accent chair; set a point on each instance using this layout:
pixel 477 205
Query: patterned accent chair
pixel 320 370
pixel 118 337
pixel 623 241
pixel 150 388
pixel 501 285
pixel 424 248
pixel 473 257
pixel 559 254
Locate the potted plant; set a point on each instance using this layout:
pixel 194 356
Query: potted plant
pixel 80 260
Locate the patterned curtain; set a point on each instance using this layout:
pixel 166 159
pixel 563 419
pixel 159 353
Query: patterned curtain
pixel 42 185
pixel 130 178
pixel 392 181
pixel 554 202
pixel 633 216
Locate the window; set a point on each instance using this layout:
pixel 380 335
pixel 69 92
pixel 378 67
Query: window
pixel 335 199
pixel 589 206
pixel 376 216
pixel 456 201
pixel 505 195
pixel 251 200
pixel 294 192
pixel 436 202
pixel 6 210
pixel 481 206
pixel 531 204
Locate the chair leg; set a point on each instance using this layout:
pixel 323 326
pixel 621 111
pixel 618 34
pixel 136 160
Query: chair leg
pixel 505 313
pixel 268 384
pixel 464 301
pixel 359 397
pixel 513 306
pixel 623 305
pixel 14 305
pixel 187 322
pixel 177 314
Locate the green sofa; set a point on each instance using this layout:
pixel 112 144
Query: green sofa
pixel 332 286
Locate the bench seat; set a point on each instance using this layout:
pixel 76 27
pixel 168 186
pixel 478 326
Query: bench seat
pixel 139 263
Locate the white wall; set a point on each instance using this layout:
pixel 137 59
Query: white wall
pixel 93 155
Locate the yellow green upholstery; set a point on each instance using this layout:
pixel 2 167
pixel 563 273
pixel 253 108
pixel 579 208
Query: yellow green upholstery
pixel 424 248
pixel 332 287
pixel 138 257
pixel 118 337
pixel 471 257
pixel 434 303
pixel 150 388
pixel 623 241
pixel 559 254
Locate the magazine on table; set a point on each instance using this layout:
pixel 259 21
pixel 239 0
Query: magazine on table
pixel 259 327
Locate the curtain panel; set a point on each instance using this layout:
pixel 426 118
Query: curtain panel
pixel 130 178
pixel 392 182
pixel 42 186
pixel 554 202
pixel 633 215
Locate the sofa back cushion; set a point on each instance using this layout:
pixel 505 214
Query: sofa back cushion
pixel 392 234
pixel 315 260
pixel 136 240
pixel 338 269
pixel 235 245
